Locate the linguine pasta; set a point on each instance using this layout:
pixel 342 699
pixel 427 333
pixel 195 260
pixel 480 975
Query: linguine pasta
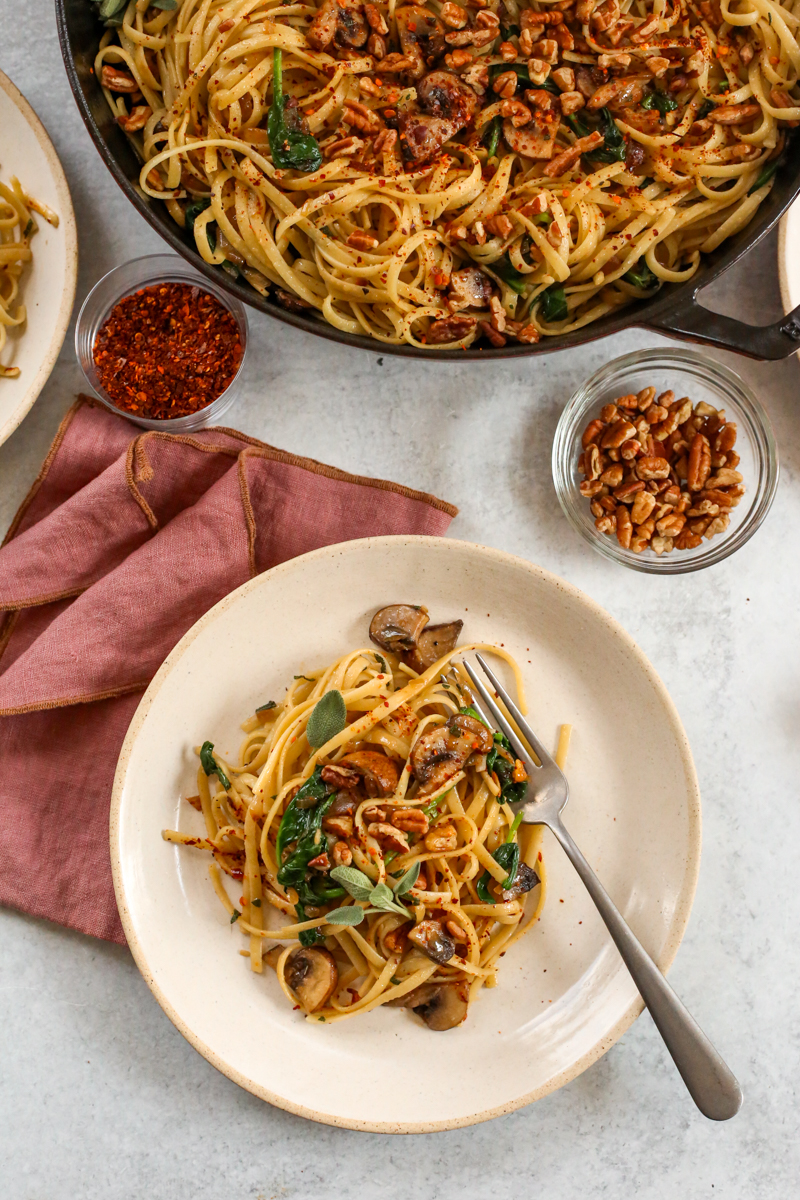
pixel 17 226
pixel 494 169
pixel 389 850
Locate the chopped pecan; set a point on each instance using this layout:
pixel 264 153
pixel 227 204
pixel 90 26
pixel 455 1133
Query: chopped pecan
pixel 449 329
pixel 411 820
pixel 359 239
pixel 136 119
pixel 388 836
pixel 565 160
pixel 441 838
pixel 117 80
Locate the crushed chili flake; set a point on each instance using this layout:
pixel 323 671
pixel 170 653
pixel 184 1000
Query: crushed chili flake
pixel 167 350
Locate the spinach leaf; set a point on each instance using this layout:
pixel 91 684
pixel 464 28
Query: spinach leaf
pixel 167 5
pixel 510 275
pixel 211 766
pixel 192 212
pixel 509 31
pixel 307 937
pixel 705 108
pixel 553 303
pixel 291 148
pixel 266 707
pixel 578 127
pixel 303 814
pixel 506 856
pixel 766 174
pixel 470 711
pixel 328 718
pixel 642 277
pixel 491 136
pixel 614 146
pixel 497 761
pixel 660 101
pixel 522 73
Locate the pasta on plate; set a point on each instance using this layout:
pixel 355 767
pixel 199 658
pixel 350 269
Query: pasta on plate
pixel 370 809
pixel 443 173
pixel 17 227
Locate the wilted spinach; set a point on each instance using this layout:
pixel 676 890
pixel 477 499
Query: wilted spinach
pixel 192 212
pixel 641 276
pixel 614 147
pixel 211 766
pixel 491 136
pixel 497 761
pixel 660 101
pixel 553 303
pixel 510 275
pixel 766 174
pixel 291 146
pixel 301 824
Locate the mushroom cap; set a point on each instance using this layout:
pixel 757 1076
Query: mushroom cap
pixel 533 140
pixel 380 773
pixel 431 939
pixel 469 288
pixel 397 627
pixel 441 752
pixel 434 642
pixel 440 1005
pixel 312 975
pixel 420 32
pixel 443 94
pixel 525 880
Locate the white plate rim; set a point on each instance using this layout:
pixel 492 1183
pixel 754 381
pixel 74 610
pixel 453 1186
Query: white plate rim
pixel 664 960
pixel 66 216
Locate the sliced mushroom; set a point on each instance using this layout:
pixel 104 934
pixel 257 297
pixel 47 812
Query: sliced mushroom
pixel 534 141
pixel 441 1005
pixel 442 752
pixel 397 627
pixel 469 288
pixel 449 105
pixel 380 774
pixel 431 939
pixel 312 975
pixel 434 642
pixel 421 36
pixel 525 880
pixel 422 136
pixel 322 29
pixel 338 819
pixel 351 28
pixel 443 94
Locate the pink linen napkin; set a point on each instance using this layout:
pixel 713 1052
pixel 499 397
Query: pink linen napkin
pixel 124 541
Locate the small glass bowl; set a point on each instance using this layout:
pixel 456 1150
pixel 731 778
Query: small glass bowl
pixel 687 374
pixel 123 281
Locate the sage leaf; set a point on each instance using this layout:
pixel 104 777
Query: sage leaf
pixel 356 882
pixel 266 707
pixel 328 718
pixel 406 882
pixel 211 766
pixel 351 914
pixel 381 895
pixel 110 8
pixel 167 5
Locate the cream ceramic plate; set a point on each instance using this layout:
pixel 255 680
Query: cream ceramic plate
pixel 563 996
pixel 48 286
pixel 789 258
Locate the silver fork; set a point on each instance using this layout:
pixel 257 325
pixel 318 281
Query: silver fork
pixel 711 1084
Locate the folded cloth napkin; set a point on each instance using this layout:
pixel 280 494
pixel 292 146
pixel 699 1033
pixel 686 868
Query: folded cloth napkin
pixel 124 541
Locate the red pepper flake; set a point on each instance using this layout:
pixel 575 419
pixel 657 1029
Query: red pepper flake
pixel 167 350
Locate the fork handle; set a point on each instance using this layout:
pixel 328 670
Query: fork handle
pixel 711 1084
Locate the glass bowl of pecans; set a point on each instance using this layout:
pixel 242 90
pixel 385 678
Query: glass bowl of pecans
pixel 665 461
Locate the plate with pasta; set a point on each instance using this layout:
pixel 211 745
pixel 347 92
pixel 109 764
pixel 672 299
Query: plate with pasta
pixel 316 857
pixel 38 257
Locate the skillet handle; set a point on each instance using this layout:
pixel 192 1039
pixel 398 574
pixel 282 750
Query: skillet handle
pixel 765 342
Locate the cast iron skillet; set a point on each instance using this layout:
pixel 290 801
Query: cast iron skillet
pixel 675 310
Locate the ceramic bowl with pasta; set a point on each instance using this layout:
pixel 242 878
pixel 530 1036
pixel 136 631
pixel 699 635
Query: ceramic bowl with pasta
pixel 448 174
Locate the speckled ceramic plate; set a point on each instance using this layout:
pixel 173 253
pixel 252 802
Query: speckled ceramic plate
pixel 48 286
pixel 563 996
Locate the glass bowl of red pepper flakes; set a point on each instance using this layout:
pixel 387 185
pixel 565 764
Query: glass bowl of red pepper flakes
pixel 162 345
